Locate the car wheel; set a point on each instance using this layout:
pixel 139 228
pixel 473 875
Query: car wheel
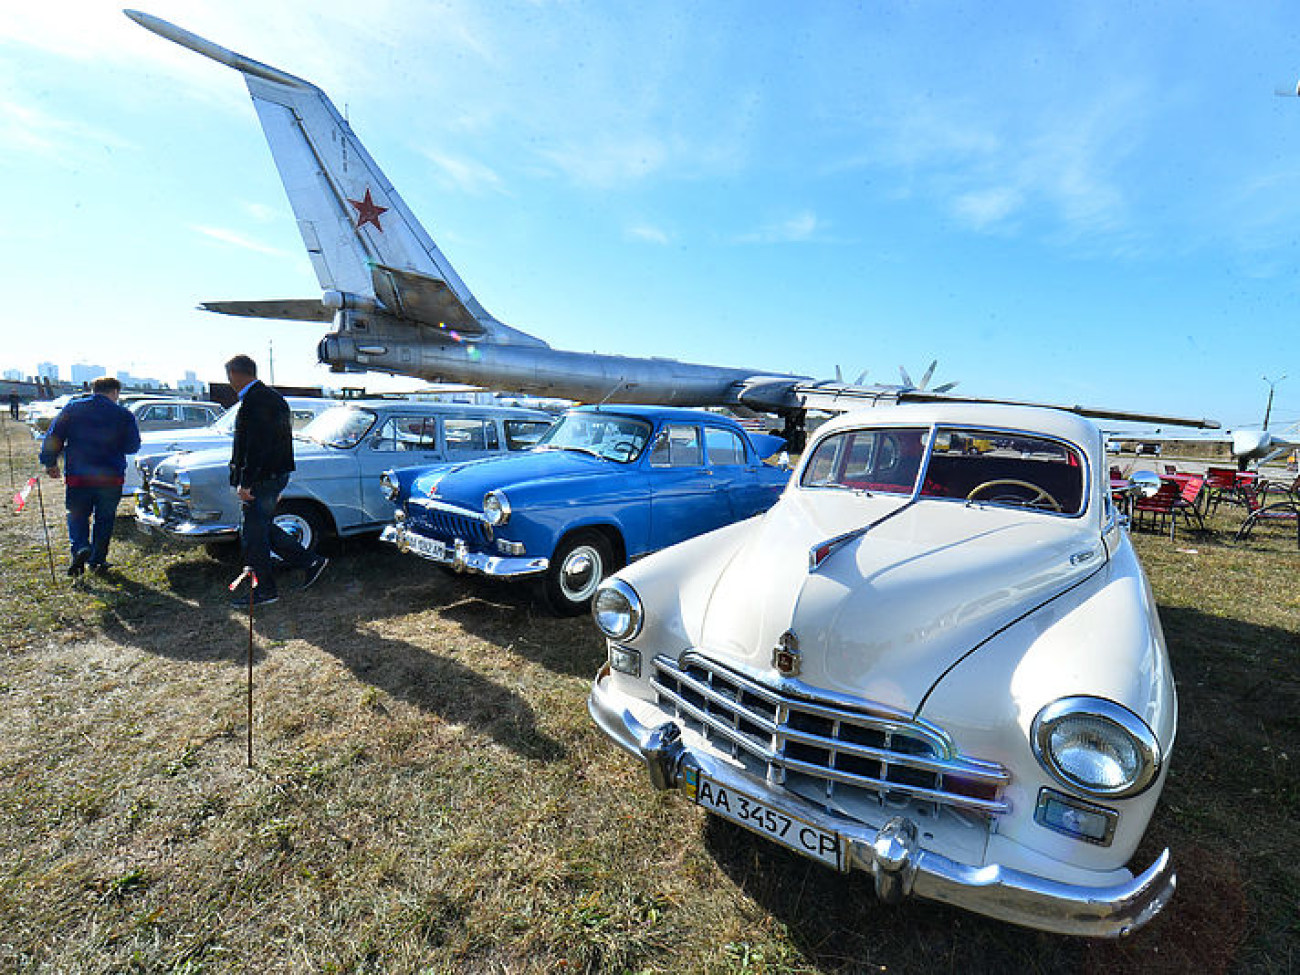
pixel 580 564
pixel 301 521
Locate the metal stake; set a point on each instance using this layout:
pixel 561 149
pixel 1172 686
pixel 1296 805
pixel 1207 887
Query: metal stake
pixel 249 574
pixel 40 499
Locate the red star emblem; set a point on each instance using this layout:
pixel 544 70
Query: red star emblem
pixel 368 211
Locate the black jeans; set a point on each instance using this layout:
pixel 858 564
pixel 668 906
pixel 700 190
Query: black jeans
pixel 259 536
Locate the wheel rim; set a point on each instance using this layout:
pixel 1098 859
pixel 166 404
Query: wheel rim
pixel 296 527
pixel 580 573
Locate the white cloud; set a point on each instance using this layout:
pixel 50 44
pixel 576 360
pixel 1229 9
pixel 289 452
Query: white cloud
pixel 467 175
pixel 31 129
pixel 610 161
pixel 797 228
pixel 239 240
pixel 648 233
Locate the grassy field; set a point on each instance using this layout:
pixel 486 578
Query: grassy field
pixel 429 795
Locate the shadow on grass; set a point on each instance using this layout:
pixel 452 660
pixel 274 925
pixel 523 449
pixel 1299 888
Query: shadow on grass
pixel 166 622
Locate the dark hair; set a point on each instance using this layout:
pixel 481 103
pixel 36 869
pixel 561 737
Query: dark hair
pixel 105 384
pixel 243 365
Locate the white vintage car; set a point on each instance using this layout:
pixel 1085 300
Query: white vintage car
pixel 936 659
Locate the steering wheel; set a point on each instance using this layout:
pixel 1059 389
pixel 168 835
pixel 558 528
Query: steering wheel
pixel 1038 498
pixel 625 447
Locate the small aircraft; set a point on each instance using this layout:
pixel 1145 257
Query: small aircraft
pixel 398 306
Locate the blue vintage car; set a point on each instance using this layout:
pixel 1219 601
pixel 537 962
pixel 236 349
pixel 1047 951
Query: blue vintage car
pixel 605 486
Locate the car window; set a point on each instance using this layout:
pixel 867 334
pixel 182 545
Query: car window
pixel 522 434
pixel 464 435
pixel 884 460
pixel 197 415
pixel 678 445
pixel 404 433
pixel 724 447
pixel 1014 469
pixel 342 426
pixel 300 418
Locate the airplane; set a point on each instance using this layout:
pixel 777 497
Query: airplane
pixel 398 306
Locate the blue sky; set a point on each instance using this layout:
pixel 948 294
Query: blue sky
pixel 1087 203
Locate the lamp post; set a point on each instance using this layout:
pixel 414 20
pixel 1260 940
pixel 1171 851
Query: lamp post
pixel 1272 384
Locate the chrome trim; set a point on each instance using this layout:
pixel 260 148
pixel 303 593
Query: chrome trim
pixel 454 509
pixel 460 558
pixel 633 601
pixel 725 714
pixel 503 501
pixel 895 853
pixel 1097 707
pixel 1040 816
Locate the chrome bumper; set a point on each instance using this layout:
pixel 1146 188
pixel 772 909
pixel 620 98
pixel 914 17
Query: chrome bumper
pixel 184 531
pixel 893 854
pixel 460 558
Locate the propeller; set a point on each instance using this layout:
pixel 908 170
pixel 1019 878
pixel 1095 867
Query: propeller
pixel 910 386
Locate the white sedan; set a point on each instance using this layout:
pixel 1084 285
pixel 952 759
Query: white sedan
pixel 936 659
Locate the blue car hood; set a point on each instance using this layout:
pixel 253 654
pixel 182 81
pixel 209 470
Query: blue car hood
pixel 466 483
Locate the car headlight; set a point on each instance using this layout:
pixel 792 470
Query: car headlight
pixel 1096 746
pixel 183 482
pixel 617 610
pixel 388 488
pixel 496 508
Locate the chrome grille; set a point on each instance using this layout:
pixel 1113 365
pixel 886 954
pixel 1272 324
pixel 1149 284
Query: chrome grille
pixel 448 525
pixel 825 751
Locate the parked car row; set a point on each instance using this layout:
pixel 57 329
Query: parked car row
pixel 929 653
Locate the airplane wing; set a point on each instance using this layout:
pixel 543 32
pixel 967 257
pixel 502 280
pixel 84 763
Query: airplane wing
pixel 777 394
pixel 284 309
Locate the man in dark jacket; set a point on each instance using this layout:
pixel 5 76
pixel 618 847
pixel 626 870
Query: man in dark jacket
pixel 94 434
pixel 261 460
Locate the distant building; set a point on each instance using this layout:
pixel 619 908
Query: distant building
pixel 47 370
pixel 83 373
pixel 191 386
pixel 14 375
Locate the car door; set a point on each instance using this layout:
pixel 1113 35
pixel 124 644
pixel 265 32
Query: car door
pixel 683 499
pixel 735 474
pixel 402 440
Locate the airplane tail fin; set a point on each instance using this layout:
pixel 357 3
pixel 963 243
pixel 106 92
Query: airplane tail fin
pixel 363 240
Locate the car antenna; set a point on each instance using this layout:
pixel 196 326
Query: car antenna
pixel 621 384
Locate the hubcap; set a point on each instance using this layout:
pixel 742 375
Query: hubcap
pixel 581 573
pixel 297 528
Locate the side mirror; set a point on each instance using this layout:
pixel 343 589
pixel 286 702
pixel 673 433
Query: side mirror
pixel 783 461
pixel 1143 484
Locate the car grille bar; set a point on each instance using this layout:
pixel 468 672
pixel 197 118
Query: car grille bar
pixel 847 752
pixel 448 523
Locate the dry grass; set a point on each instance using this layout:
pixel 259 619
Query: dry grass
pixel 429 794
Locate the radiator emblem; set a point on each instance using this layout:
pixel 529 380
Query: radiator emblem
pixel 786 657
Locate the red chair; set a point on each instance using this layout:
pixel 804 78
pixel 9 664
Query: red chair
pixel 1220 485
pixel 1188 505
pixel 1263 511
pixel 1157 511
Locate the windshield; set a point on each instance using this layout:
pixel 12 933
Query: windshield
pixel 607 435
pixel 994 467
pixel 341 426
pixel 226 422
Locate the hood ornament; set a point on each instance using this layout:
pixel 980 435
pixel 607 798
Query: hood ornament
pixel 786 657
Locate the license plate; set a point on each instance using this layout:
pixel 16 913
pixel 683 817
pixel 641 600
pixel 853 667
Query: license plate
pixel 430 548
pixel 754 814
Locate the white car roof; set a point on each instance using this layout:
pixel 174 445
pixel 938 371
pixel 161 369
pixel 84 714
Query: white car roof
pixel 1060 424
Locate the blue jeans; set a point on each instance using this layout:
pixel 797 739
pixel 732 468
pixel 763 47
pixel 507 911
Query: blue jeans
pixel 259 535
pixel 82 503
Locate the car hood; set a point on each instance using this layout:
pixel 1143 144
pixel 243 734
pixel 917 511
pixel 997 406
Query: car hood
pixel 887 613
pixel 466 483
pixel 158 441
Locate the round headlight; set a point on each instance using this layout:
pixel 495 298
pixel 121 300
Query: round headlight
pixel 387 487
pixel 496 509
pixel 1096 746
pixel 617 610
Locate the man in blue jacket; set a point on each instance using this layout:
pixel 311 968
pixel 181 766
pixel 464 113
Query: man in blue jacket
pixel 94 434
